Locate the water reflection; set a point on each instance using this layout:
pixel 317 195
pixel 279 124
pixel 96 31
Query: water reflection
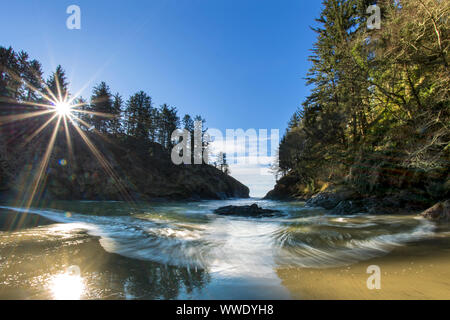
pixel 183 251
pixel 67 287
pixel 34 266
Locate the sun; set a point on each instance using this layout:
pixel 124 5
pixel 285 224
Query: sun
pixel 67 287
pixel 63 112
pixel 63 108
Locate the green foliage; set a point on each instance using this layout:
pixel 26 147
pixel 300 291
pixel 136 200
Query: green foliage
pixel 378 113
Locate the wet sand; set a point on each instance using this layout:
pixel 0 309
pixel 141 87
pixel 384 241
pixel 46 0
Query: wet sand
pixel 35 258
pixel 418 271
pixel 35 270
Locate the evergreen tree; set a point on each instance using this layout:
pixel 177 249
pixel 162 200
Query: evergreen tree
pixel 168 122
pixel 85 118
pixel 139 117
pixel 115 122
pixel 20 78
pixel 57 84
pixel 10 84
pixel 33 77
pixel 203 141
pixel 188 123
pixel 222 163
pixel 102 108
pixel 378 110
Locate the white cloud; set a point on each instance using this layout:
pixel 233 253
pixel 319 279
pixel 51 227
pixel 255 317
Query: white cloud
pixel 249 157
pixel 258 178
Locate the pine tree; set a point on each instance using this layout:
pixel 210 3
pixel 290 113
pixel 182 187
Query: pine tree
pixel 10 84
pixel 222 163
pixel 188 123
pixel 57 84
pixel 33 77
pixel 85 118
pixel 203 142
pixel 139 117
pixel 378 109
pixel 168 122
pixel 115 122
pixel 102 108
pixel 20 78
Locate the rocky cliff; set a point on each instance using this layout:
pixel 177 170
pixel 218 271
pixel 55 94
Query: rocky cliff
pixel 344 198
pixel 133 170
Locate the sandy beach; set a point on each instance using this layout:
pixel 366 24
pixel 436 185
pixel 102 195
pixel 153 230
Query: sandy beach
pixel 418 271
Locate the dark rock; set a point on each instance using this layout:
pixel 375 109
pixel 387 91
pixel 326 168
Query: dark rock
pixel 345 201
pixel 349 207
pixel 285 189
pixel 330 200
pixel 246 211
pixel 439 212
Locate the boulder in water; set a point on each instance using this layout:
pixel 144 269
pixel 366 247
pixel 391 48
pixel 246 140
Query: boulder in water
pixel 245 211
pixel 439 212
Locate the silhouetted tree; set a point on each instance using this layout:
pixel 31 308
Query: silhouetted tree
pixel 168 121
pixel 57 84
pixel 102 108
pixel 222 163
pixel 10 84
pixel 115 122
pixel 139 119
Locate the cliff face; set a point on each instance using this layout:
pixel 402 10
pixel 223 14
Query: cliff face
pixel 285 189
pixel 341 197
pixel 135 171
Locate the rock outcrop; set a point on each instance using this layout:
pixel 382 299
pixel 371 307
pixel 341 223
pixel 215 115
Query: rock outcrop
pixel 246 211
pixel 285 189
pixel 348 202
pixel 393 191
pixel 332 198
pixel 439 212
pixel 135 171
pixel 344 200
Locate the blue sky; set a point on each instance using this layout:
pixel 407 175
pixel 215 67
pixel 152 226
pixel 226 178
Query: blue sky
pixel 238 63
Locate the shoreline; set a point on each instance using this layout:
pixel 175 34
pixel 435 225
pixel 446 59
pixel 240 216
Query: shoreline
pixel 8 199
pixel 13 221
pixel 341 200
pixel 415 271
pixel 34 266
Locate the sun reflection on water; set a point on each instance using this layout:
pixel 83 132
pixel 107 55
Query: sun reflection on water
pixel 67 286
